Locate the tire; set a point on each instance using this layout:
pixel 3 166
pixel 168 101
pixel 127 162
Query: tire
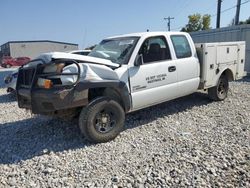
pixel 102 120
pixel 220 91
pixel 8 66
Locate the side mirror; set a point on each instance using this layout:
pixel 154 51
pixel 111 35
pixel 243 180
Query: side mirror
pixel 138 60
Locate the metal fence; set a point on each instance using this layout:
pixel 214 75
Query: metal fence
pixel 227 34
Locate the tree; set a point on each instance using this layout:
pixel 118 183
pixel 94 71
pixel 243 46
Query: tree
pixel 196 22
pixel 247 21
pixel 206 21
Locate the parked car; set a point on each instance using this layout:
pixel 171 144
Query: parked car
pixel 6 60
pixel 124 74
pixel 10 81
pixel 10 62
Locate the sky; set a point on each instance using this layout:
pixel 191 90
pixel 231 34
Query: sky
pixel 87 22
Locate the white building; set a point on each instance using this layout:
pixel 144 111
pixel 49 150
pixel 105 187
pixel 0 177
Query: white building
pixel 32 49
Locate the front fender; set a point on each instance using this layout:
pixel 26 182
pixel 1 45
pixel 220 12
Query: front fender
pixel 117 85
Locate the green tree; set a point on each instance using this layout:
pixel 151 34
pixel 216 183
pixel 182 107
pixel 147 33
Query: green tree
pixel 247 21
pixel 206 21
pixel 196 22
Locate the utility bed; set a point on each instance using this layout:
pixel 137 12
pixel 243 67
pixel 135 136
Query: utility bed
pixel 215 57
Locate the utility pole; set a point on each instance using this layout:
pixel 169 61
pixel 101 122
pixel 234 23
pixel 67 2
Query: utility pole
pixel 169 21
pixel 237 16
pixel 218 14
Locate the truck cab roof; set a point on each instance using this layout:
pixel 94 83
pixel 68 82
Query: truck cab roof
pixel 148 34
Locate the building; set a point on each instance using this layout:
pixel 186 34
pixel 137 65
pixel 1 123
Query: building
pixel 227 34
pixel 32 49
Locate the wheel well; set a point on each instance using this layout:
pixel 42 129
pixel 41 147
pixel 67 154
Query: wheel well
pixel 228 73
pixel 109 92
pixel 95 92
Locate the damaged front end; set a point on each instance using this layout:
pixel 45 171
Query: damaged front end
pixel 46 88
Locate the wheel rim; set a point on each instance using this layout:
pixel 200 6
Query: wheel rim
pixel 222 89
pixel 105 120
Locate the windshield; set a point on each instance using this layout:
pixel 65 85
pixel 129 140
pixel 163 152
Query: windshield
pixel 117 50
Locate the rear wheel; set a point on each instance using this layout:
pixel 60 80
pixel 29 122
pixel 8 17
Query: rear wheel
pixel 220 91
pixel 102 120
pixel 8 66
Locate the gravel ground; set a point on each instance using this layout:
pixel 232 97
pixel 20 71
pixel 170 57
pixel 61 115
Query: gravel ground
pixel 190 141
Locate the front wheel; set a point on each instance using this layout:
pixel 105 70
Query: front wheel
pixel 220 91
pixel 102 120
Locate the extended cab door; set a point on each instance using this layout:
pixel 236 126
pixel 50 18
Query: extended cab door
pixel 187 64
pixel 155 80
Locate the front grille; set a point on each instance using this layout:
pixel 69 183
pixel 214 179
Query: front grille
pixel 26 77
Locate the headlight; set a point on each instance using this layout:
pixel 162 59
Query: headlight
pixel 69 79
pixel 58 74
pixel 54 68
pixel 44 83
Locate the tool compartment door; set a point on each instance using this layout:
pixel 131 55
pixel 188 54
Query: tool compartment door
pixel 209 65
pixel 227 54
pixel 241 61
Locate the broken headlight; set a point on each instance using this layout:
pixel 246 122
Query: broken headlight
pixel 59 74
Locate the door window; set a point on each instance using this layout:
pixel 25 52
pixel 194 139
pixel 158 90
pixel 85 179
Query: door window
pixel 155 49
pixel 181 46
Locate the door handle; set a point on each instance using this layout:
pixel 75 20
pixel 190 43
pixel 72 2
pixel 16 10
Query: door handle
pixel 171 68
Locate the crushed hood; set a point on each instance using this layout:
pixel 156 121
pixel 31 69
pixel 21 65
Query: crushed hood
pixel 47 57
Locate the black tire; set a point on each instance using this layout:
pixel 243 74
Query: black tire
pixel 220 91
pixel 8 66
pixel 102 120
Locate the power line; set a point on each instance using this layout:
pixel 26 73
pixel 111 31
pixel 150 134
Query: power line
pixel 183 8
pixel 181 11
pixel 223 11
pixel 177 28
pixel 211 7
pixel 245 2
pixel 231 8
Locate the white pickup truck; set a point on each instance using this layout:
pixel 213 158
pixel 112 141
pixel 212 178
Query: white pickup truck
pixel 126 73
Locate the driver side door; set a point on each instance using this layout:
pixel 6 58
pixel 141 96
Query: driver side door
pixel 155 80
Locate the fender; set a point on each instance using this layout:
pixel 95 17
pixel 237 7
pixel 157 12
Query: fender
pixel 229 74
pixel 117 85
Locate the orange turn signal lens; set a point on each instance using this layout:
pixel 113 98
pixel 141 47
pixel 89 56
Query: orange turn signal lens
pixel 47 84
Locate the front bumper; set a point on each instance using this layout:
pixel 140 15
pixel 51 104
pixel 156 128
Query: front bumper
pixel 43 101
pixel 47 101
